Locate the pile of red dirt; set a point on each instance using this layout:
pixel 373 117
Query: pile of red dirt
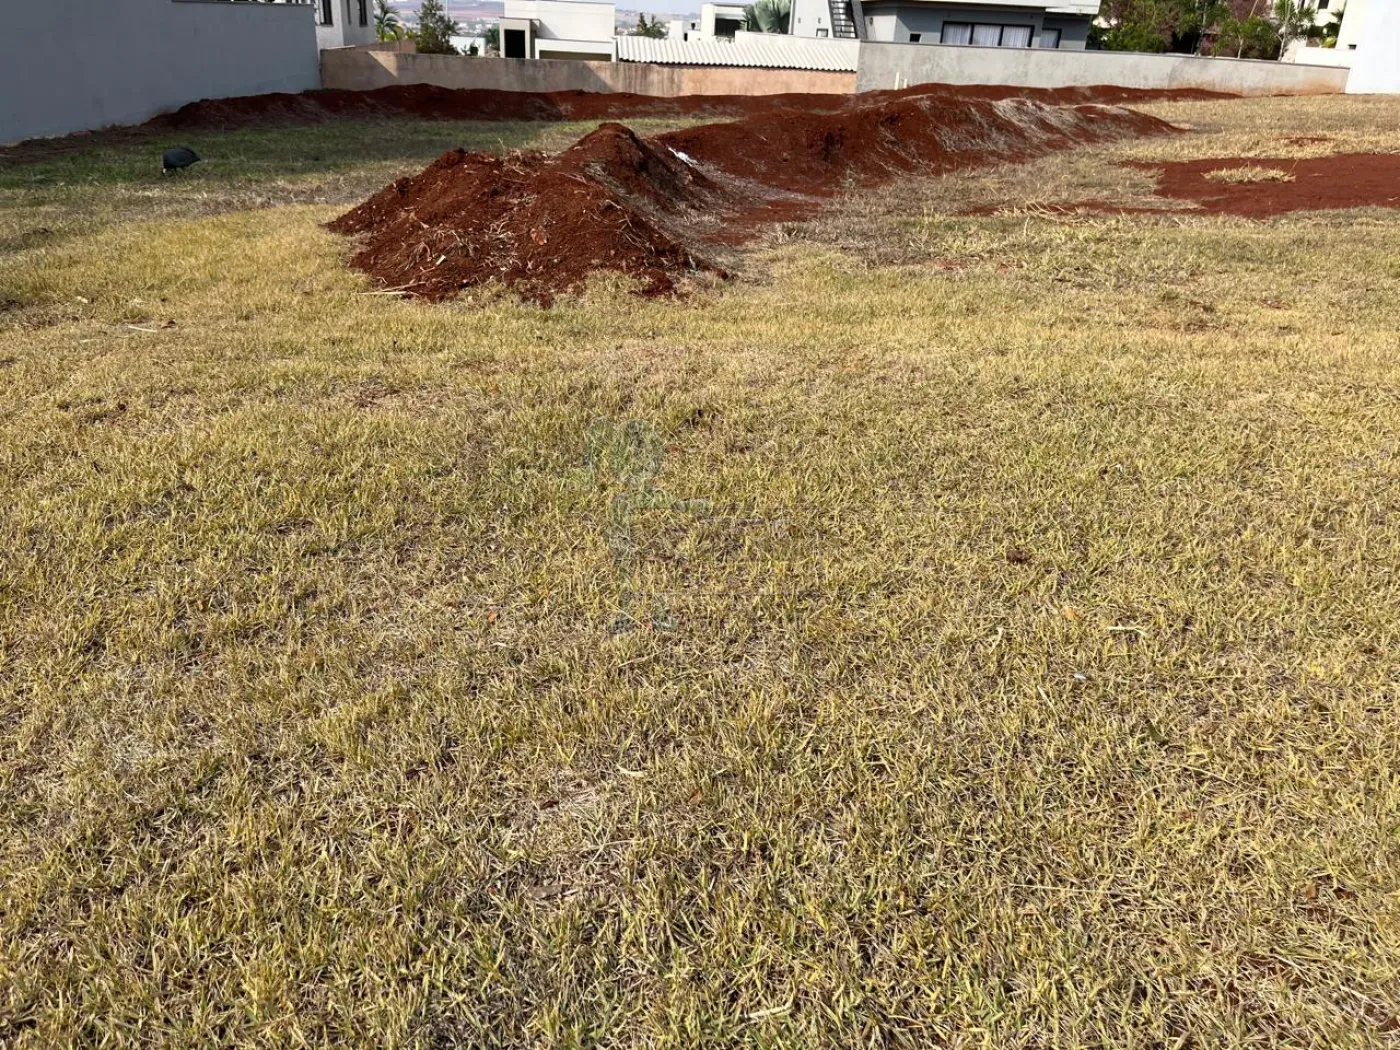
pixel 538 224
pixel 425 102
pixel 1342 180
pixel 649 208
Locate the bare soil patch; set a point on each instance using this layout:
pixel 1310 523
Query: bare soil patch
pixel 1252 187
pixel 655 208
pixel 1347 180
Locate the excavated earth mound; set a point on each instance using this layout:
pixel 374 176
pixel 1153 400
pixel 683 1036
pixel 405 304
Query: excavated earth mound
pixel 426 102
pixel 655 208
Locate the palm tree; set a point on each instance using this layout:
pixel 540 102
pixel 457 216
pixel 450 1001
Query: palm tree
pixel 1294 19
pixel 769 16
pixel 656 29
pixel 387 24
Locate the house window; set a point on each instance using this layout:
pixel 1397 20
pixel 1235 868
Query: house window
pixel 956 33
pixel 1049 38
pixel 1016 36
pixel 323 13
pixel 914 38
pixel 1322 4
pixel 989 36
pixel 513 43
pixel 986 36
pixel 822 32
pixel 364 12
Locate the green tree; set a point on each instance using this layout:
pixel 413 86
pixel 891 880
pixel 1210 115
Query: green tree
pixel 387 24
pixel 435 29
pixel 769 16
pixel 1157 25
pixel 1252 37
pixel 1295 20
pixel 655 28
pixel 492 39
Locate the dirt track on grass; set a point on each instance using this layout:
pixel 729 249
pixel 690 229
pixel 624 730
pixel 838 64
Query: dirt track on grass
pixel 654 208
pixel 426 102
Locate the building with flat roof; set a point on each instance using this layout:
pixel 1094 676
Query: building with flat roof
pixel 577 29
pixel 1009 23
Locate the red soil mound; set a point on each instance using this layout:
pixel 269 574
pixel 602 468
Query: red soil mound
pixel 425 102
pixel 648 207
pixel 1343 180
pixel 538 224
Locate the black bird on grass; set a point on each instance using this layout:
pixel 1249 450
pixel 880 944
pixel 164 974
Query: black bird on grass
pixel 177 159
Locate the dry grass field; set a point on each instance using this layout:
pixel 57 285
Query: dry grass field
pixel 983 635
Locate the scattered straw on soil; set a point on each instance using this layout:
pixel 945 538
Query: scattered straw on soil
pixel 1251 174
pixel 655 208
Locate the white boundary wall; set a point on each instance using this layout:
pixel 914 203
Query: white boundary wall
pixel 886 66
pixel 74 65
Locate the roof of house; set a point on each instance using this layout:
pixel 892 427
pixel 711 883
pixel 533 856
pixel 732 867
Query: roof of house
pixel 751 50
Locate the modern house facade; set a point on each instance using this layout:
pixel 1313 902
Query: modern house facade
pixel 344 23
pixel 1374 40
pixel 1010 23
pixel 569 29
pixel 1368 40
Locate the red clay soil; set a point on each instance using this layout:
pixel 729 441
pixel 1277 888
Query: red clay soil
pixel 651 208
pixel 1342 180
pixel 425 102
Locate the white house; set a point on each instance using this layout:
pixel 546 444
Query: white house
pixel 577 29
pixel 1367 42
pixel 1005 23
pixel 344 23
pixel 1375 41
pixel 721 21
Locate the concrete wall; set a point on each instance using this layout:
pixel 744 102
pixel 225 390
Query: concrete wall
pixel 884 66
pixel 1375 67
pixel 363 70
pixel 73 65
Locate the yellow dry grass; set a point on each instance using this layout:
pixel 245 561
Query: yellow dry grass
pixel 1019 670
pixel 1251 173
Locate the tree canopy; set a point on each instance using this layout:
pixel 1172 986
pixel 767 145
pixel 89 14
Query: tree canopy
pixel 654 27
pixel 1236 28
pixel 435 29
pixel 769 16
pixel 387 24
